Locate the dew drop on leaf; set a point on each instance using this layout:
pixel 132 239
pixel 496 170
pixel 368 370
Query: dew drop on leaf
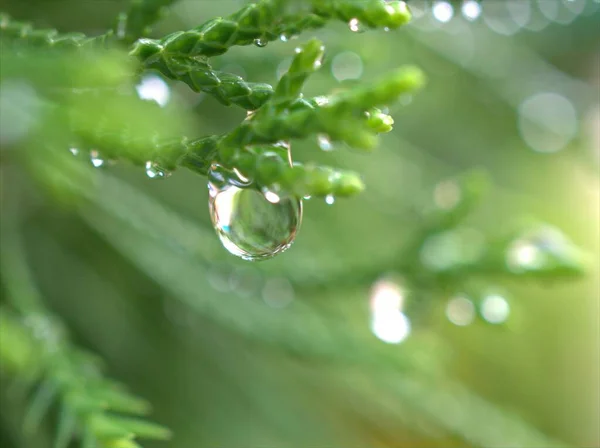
pixel 74 151
pixel 251 224
pixel 96 160
pixel 329 199
pixel 324 142
pixel 260 42
pixel 355 25
pixel 155 171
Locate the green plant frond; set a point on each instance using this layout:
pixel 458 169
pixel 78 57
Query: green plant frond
pixel 136 22
pixel 33 340
pixel 225 87
pixel 266 21
pixel 282 114
pixel 25 35
pixel 87 401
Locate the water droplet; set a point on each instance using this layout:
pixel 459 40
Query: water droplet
pixel 307 197
pixel 155 171
pixel 261 42
pixel 283 37
pixel 355 25
pixel 329 199
pixel 74 151
pixel 95 158
pixel 321 100
pixel 251 224
pixel 386 29
pixel 297 50
pixel 324 142
pixel 541 249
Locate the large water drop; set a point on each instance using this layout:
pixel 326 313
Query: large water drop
pixel 251 224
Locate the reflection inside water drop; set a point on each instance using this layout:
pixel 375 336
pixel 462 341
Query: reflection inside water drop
pixel 95 158
pixel 260 42
pixel 155 171
pixel 251 224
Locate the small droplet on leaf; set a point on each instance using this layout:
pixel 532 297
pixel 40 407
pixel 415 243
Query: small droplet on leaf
pixel 261 42
pixel 355 25
pixel 329 199
pixel 321 100
pixel 155 171
pixel 324 142
pixel 96 160
pixel 74 151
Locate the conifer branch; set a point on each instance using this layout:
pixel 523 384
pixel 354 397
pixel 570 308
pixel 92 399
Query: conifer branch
pixel 34 343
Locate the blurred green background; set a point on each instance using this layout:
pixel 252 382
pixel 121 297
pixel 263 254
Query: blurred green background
pixel 239 354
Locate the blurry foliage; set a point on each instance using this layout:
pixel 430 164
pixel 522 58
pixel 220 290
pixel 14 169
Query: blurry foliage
pixel 446 256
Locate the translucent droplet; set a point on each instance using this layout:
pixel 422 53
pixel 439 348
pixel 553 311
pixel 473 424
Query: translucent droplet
pixel 321 100
pixel 155 171
pixel 329 199
pixel 74 151
pixel 324 142
pixel 261 42
pixel 283 37
pixel 251 224
pixel 307 197
pixel 95 158
pixel 355 25
pixel 386 29
pixel 297 50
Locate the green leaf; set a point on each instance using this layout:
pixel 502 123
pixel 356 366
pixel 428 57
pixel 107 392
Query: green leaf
pixel 43 398
pixel 66 428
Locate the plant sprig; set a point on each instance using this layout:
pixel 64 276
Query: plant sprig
pixel 35 344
